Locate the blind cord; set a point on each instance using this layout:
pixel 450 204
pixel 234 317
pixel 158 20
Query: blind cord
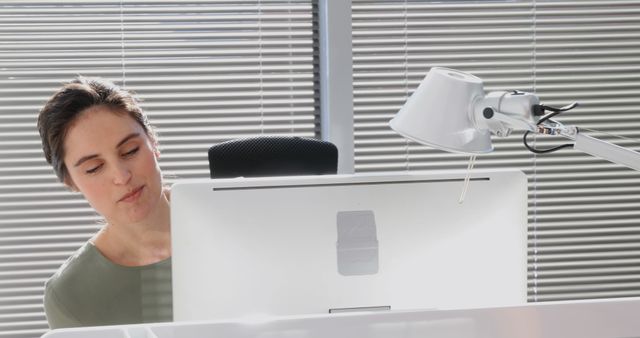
pixel 535 168
pixel 122 46
pixel 406 77
pixel 260 67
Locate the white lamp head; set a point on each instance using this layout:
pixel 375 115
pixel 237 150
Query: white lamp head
pixel 440 112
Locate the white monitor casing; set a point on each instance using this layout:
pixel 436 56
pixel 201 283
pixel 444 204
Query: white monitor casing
pixel 275 246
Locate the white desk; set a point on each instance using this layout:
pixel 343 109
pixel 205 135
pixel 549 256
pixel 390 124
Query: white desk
pixel 579 319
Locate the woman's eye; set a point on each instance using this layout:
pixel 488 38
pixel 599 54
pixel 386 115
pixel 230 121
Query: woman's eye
pixel 94 169
pixel 131 152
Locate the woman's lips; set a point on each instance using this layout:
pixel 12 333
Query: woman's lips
pixel 132 196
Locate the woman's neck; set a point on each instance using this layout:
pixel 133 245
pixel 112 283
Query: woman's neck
pixel 141 243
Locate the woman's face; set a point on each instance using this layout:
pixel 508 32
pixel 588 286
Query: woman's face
pixel 113 163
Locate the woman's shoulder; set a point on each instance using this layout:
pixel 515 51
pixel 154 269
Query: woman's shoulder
pixel 89 269
pixel 75 283
pixel 81 262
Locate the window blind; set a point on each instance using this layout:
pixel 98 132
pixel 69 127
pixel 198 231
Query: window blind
pixel 207 71
pixel 584 218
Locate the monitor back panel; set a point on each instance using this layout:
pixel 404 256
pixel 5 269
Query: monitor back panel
pixel 304 245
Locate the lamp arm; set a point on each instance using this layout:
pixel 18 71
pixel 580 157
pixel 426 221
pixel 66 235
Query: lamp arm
pixel 603 149
pixel 514 112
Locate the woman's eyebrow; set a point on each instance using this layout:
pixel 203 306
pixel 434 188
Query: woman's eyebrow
pixel 123 141
pixel 84 159
pixel 127 138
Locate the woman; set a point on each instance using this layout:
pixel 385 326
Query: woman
pixel 99 142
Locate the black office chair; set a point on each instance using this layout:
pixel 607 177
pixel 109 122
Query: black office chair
pixel 272 156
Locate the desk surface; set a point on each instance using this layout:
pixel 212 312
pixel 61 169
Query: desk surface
pixel 580 319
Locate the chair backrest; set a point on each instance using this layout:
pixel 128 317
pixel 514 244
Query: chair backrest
pixel 263 156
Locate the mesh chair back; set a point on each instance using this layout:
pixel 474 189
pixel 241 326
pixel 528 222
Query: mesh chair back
pixel 272 156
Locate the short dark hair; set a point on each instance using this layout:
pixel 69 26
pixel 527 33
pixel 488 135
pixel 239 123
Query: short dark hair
pixel 62 109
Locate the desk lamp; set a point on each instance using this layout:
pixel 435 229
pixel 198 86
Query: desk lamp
pixel 450 111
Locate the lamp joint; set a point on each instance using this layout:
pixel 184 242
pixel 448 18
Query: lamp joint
pixel 487 112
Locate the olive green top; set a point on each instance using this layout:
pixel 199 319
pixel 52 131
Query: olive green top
pixel 90 290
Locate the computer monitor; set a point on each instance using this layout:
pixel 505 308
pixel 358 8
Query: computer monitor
pixel 319 244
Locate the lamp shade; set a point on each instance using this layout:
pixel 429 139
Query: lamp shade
pixel 439 113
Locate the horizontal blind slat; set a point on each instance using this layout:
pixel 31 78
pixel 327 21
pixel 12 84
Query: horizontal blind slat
pixel 207 71
pixel 579 206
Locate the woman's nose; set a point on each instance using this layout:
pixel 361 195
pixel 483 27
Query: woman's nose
pixel 121 174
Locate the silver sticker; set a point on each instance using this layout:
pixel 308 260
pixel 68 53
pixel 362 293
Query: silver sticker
pixel 357 244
